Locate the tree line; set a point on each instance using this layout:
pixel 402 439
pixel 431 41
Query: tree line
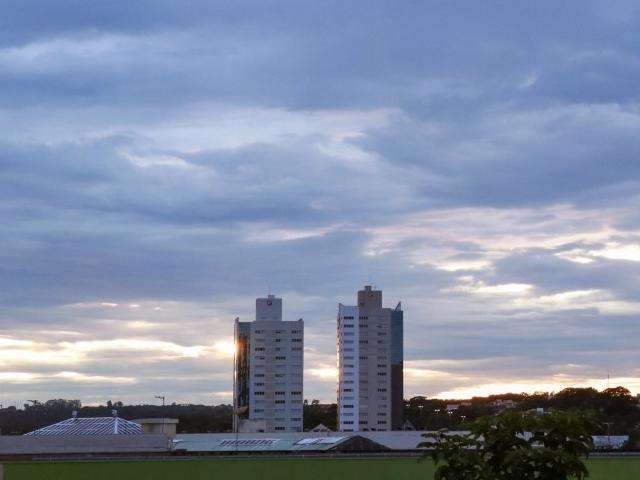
pixel 616 410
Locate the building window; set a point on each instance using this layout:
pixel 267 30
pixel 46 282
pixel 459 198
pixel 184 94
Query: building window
pixel 279 428
pixel 259 349
pixel 259 393
pixel 347 406
pixel 280 393
pixel 382 374
pixel 281 358
pixel 382 389
pixel 347 318
pixel 280 401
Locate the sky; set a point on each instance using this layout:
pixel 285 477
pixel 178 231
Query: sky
pixel 163 163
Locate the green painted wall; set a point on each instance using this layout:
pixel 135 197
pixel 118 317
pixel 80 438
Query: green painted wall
pixel 269 469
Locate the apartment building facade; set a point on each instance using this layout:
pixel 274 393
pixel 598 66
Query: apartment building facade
pixel 370 363
pixel 268 370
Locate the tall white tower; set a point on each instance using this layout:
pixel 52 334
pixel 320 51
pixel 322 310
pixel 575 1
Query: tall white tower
pixel 370 358
pixel 268 370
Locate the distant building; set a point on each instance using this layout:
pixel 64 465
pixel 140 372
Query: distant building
pixel 503 404
pixel 168 426
pixel 370 360
pixel 267 387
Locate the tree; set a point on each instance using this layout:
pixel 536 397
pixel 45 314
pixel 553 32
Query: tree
pixel 515 446
pixel 316 413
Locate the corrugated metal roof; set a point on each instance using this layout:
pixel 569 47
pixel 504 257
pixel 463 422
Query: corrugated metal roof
pixel 257 443
pixel 55 444
pixel 396 440
pixel 317 444
pixel 91 426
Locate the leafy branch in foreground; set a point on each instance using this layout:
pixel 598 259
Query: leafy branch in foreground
pixel 515 446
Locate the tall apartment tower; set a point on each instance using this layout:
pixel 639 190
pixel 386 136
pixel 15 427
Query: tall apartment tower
pixel 268 365
pixel 370 354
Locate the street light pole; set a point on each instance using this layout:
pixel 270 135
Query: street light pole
pixel 161 397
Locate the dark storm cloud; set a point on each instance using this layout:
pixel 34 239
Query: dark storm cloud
pixel 327 55
pixel 515 158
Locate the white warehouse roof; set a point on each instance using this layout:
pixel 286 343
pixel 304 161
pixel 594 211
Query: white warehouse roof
pixel 91 426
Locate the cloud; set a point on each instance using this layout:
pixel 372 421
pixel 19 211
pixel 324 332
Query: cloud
pixel 162 166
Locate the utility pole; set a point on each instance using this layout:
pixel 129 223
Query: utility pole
pixel 161 397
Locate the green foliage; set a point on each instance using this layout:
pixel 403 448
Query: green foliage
pixel 516 446
pixel 193 418
pixel 634 441
pixel 616 407
pixel 316 413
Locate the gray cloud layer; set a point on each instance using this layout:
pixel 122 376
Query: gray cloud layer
pixel 163 163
